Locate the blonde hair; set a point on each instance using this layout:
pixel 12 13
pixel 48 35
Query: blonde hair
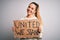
pixel 37 14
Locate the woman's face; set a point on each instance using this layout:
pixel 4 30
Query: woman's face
pixel 31 9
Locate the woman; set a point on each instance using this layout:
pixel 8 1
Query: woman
pixel 33 13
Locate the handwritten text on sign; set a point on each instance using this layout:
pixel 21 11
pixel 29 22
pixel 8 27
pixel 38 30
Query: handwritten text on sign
pixel 26 28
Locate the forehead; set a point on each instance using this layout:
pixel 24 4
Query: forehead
pixel 32 5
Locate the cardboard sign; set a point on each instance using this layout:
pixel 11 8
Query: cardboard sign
pixel 26 28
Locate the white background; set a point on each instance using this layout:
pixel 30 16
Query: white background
pixel 15 9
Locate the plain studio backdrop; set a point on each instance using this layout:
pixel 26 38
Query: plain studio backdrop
pixel 15 9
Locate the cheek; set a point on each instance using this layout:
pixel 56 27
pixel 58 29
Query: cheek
pixel 33 11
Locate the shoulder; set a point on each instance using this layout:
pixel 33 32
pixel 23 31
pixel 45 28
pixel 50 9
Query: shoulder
pixel 31 18
pixel 23 18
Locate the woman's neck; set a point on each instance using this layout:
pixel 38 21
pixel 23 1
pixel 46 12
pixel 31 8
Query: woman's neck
pixel 30 16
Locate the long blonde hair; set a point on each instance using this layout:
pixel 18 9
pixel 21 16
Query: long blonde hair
pixel 37 14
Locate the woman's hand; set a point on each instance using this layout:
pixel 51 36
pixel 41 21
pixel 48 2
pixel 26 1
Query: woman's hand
pixel 13 29
pixel 39 30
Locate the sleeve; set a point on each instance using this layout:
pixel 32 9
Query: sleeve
pixel 22 18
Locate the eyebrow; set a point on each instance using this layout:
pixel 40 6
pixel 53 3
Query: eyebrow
pixel 29 6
